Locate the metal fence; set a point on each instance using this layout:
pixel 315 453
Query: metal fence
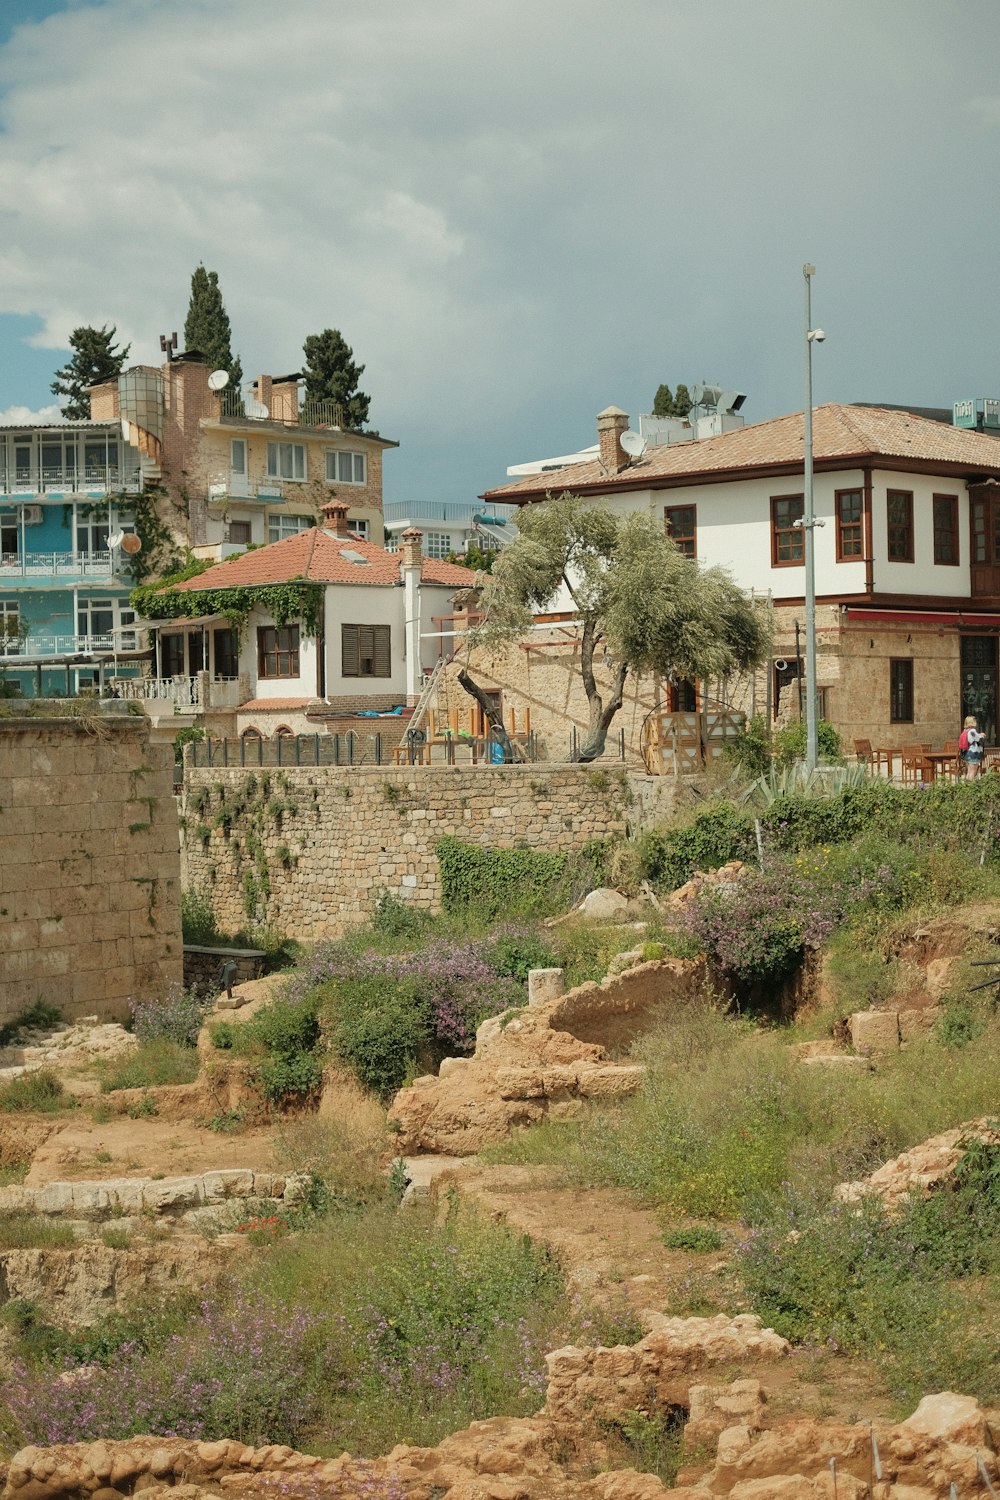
pixel 352 749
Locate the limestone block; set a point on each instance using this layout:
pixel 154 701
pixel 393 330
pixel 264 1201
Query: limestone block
pixel 604 905
pixel 561 1081
pixel 230 1182
pixel 520 1083
pixel 874 1030
pixel 610 1082
pixel 172 1193
pixel 545 984
pixel 918 1023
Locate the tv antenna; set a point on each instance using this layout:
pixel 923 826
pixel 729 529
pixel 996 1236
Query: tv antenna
pixel 168 345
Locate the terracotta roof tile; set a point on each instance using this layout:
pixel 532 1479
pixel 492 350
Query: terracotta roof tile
pixel 839 432
pixel 321 557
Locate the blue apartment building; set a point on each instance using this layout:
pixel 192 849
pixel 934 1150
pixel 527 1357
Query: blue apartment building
pixel 65 622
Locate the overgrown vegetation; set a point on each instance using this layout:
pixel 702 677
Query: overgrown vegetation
pixel 38 1092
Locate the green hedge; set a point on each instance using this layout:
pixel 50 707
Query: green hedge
pixel 963 814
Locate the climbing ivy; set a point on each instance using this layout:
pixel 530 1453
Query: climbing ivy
pixel 159 552
pixel 297 600
pixel 493 881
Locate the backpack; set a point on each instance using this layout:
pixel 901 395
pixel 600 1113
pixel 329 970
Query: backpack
pixel 963 741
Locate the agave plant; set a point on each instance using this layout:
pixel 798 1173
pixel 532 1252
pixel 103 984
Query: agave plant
pixel 798 780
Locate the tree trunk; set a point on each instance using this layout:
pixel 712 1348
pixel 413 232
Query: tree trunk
pixel 601 714
pixel 491 713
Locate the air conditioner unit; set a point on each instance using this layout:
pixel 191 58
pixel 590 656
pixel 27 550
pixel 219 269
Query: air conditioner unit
pixel 33 515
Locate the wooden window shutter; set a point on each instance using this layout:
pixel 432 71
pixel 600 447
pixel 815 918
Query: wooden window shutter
pixel 383 652
pixel 350 651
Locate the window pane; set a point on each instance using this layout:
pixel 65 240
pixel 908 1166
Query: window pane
pixel 238 459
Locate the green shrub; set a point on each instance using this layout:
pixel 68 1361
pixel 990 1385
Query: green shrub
pixel 697 1238
pixel 284 1077
pixel 198 919
pixel 790 742
pixel 513 952
pixel 959 1024
pixel 379 1026
pixel 496 882
pixel 40 1092
pixel 287 1033
pixel 396 919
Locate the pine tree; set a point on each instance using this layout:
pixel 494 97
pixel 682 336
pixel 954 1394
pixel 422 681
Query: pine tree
pixel 332 375
pixel 663 402
pixel 95 359
pixel 206 327
pixel 682 401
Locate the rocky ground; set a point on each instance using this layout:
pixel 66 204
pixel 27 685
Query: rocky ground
pixel 762 1422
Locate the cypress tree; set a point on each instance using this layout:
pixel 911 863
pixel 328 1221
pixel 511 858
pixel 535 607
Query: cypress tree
pixel 95 358
pixel 332 375
pixel 206 327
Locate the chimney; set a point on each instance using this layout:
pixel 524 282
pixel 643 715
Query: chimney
pixel 284 400
pixel 410 547
pixel 263 386
pixel 611 423
pixel 409 568
pixel 335 518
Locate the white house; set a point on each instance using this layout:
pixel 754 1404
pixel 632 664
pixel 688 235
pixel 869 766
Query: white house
pixel 907 552
pixel 381 624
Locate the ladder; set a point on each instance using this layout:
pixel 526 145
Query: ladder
pixel 426 697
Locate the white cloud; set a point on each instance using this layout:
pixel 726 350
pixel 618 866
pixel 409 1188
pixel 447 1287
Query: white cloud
pixel 23 416
pixel 515 212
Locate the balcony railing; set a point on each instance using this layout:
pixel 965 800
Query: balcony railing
pixel 446 512
pixel 55 565
pixel 223 487
pixel 68 645
pixel 199 691
pixel 34 479
pixel 240 407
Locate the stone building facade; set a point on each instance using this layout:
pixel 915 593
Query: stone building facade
pixel 89 866
pixel 311 848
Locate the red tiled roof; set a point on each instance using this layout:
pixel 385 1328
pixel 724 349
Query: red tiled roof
pixel 266 705
pixel 320 557
pixel 848 433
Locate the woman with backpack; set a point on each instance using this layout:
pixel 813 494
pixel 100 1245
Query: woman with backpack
pixel 971 744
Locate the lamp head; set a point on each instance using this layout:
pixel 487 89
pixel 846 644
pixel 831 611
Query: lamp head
pixel 815 335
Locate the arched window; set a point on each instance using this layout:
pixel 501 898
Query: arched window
pixel 251 733
pixel 283 730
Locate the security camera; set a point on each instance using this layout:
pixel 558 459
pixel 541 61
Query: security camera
pixel 816 335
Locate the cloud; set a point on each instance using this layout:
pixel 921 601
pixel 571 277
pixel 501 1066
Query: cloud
pixel 516 213
pixel 23 416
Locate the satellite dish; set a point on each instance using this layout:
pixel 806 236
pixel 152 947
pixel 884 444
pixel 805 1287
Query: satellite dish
pixel 633 443
pixel 258 409
pixel 218 380
pixel 115 539
pixel 131 543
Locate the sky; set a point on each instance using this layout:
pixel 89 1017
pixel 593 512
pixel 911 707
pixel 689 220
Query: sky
pixel 517 212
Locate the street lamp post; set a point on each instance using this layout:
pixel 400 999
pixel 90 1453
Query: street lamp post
pixel 809 524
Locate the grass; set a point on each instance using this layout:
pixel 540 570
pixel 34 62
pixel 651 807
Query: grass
pixel 38 1017
pixel 39 1092
pixel 27 1231
pixel 153 1064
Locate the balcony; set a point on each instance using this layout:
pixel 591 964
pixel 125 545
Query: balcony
pixel 38 646
pixel 92 482
pixel 237 406
pixel 63 566
pixel 455 513
pixel 225 487
pixel 200 691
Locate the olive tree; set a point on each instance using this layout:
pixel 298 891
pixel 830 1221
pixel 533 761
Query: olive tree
pixel 638 598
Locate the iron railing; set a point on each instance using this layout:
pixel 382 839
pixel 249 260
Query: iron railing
pixel 36 479
pixel 353 749
pixel 56 565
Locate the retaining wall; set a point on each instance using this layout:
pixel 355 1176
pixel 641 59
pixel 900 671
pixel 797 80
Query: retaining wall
pixel 89 865
pixel 311 847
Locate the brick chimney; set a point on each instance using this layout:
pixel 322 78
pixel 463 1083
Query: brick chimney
pixel 410 547
pixel 611 423
pixel 264 387
pixel 335 518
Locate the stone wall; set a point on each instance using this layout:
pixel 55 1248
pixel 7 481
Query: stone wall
pixel 89 865
pixel 312 847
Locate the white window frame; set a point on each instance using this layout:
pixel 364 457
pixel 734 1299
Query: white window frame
pixel 280 526
pixel 437 544
pixel 10 610
pixel 360 528
pixel 238 456
pixel 339 460
pixel 295 454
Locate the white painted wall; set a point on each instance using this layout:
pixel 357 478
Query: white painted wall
pixel 303 686
pixel 734 532
pixel 364 604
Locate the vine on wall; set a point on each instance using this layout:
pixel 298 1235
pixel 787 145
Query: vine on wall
pixel 298 600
